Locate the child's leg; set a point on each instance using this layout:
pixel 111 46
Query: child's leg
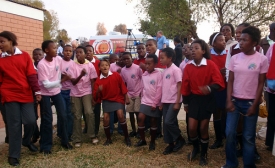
pixel 218 129
pixel 112 127
pixel 204 125
pixel 46 127
pixel 89 114
pixel 85 123
pixel 106 121
pixel 153 129
pixel 97 110
pixel 193 133
pixel 119 129
pixel 240 135
pixel 141 126
pixel 122 121
pixel 66 97
pixel 133 121
pixel 77 109
pixel 3 112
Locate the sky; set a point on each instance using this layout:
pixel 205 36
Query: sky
pixel 80 17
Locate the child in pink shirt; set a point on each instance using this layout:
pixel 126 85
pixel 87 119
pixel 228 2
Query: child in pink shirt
pixel 150 102
pixel 66 64
pixel 131 75
pixel 117 64
pixel 171 100
pixel 83 75
pixel 49 78
pixel 247 72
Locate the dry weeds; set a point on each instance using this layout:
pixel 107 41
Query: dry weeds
pixel 118 155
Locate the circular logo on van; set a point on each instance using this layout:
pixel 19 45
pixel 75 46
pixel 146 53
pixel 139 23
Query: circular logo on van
pixel 103 46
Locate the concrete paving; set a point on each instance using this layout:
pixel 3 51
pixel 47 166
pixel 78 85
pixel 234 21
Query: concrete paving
pixel 181 116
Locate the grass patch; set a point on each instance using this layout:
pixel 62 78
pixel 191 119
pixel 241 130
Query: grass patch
pixel 118 155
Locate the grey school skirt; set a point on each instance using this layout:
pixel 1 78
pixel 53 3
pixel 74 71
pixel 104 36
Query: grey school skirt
pixel 147 110
pixel 110 106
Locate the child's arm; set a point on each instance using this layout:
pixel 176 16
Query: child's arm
pixel 92 85
pixel 229 104
pixel 76 80
pixel 177 103
pixel 127 101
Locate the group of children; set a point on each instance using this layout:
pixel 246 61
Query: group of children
pixel 151 88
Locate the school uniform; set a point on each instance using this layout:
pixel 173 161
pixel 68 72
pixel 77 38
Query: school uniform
pixel 81 98
pixel 200 106
pixel 159 66
pixel 271 98
pixel 49 77
pixel 151 93
pixel 220 97
pixel 18 82
pixel 171 76
pixel 113 92
pixel 132 77
pixel 65 92
pixel 114 67
pixel 97 107
pixel 246 71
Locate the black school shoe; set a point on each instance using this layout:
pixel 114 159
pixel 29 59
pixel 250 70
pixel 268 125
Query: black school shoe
pixel 133 134
pixel 179 144
pixel 108 142
pixel 152 146
pixel 191 156
pixel 141 143
pixel 13 161
pixel 45 152
pixel 216 145
pixel 31 147
pixel 203 160
pixel 168 150
pixel 128 142
pixel 67 146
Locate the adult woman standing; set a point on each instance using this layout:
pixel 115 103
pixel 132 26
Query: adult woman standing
pixel 228 31
pixel 18 82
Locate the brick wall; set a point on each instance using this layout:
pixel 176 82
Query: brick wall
pixel 29 33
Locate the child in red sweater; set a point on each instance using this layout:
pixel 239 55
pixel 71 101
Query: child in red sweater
pixel 200 78
pixel 218 56
pixel 110 88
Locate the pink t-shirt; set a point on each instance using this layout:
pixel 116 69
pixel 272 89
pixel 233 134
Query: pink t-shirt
pixel 132 77
pixel 83 87
pixel 114 67
pixel 65 66
pixel 49 71
pixel 152 88
pixel 183 64
pixel 246 73
pixel 171 76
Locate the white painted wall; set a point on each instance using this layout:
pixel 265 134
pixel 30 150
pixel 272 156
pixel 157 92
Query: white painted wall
pixel 21 10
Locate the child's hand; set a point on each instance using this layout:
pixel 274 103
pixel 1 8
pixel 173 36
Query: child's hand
pixel 176 106
pixel 119 70
pixel 127 101
pixel 83 72
pixel 38 97
pixel 153 108
pixel 230 106
pixel 204 90
pixel 93 102
pixel 223 71
pixel 160 108
pixel 100 88
pixel 186 109
pixel 251 111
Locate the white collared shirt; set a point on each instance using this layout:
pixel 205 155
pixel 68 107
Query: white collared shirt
pixel 270 42
pixel 16 52
pixel 203 62
pixel 212 51
pixel 93 60
pixel 157 53
pixel 102 76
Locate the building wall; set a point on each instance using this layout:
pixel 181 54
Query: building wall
pixel 25 22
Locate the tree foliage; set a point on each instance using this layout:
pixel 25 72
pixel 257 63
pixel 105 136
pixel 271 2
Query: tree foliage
pixel 101 29
pixel 173 17
pixel 51 21
pixel 63 35
pixel 122 28
pixel 255 12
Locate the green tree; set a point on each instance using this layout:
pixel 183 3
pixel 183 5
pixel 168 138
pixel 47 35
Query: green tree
pixel 63 35
pixel 122 28
pixel 255 12
pixel 51 21
pixel 173 17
